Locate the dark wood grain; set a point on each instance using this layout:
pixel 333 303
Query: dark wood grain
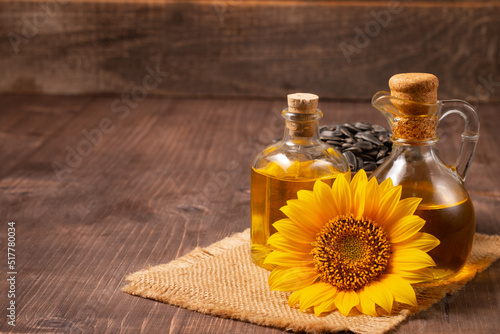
pixel 236 48
pixel 134 201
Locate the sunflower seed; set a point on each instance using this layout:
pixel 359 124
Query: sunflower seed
pixel 362 144
pixel 337 138
pixel 351 159
pixel 366 157
pixel 379 129
pixel 373 153
pixel 369 166
pixel 383 151
pixel 383 137
pixel 351 127
pixel 346 132
pixel 350 140
pixel 338 133
pixel 334 143
pixel 326 134
pixel 346 145
pixel 363 126
pixel 370 138
pixel 354 149
pixel 360 162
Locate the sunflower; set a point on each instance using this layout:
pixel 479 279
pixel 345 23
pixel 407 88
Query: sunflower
pixel 354 244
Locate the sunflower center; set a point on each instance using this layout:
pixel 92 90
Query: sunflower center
pixel 350 253
pixel 352 249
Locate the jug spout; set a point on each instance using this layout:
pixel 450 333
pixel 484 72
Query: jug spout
pixel 382 102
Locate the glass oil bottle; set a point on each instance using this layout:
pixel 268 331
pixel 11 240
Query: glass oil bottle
pixel 413 112
pixel 292 164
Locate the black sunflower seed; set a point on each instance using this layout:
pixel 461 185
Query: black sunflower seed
pixel 351 159
pixel 326 134
pixel 369 166
pixel 354 149
pixel 338 133
pixel 368 137
pixel 363 145
pixel 363 126
pixel 351 127
pixel 346 132
pixel 379 129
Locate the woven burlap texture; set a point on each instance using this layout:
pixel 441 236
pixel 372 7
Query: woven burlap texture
pixel 221 280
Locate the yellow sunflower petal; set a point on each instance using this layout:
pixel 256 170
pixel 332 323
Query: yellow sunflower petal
pixel 305 214
pixel 316 294
pixel 324 199
pixel 279 258
pixel 342 195
pixel 405 207
pixel 292 279
pixel 358 190
pixel 405 228
pixel 413 276
pixel 293 232
pixel 366 305
pixel 388 204
pixel 422 241
pixel 372 199
pixel 305 195
pixel 326 306
pixel 411 259
pixel 401 289
pixel 359 178
pixel 378 293
pixel 279 241
pixel 385 186
pixel 346 300
pixel 294 298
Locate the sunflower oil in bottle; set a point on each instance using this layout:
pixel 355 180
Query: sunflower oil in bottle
pixel 290 165
pixel 449 217
pixel 413 112
pixel 453 225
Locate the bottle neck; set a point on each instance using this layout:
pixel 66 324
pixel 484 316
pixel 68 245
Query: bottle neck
pixel 424 146
pixel 413 153
pixel 301 127
pixel 414 130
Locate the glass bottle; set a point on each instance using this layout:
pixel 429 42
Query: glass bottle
pixel 292 164
pixel 413 112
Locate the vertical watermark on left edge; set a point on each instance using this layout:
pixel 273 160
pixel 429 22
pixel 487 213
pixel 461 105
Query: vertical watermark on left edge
pixel 11 273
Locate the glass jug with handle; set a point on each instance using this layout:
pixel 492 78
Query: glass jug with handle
pixel 414 112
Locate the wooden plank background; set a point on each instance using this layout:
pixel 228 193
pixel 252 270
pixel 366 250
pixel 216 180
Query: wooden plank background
pixel 133 200
pixel 239 48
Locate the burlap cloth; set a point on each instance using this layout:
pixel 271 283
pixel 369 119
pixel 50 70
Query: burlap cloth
pixel 221 280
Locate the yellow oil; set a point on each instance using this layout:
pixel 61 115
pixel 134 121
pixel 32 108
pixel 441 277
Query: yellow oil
pixel 454 226
pixel 270 189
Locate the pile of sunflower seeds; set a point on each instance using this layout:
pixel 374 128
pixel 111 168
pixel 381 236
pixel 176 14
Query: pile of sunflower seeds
pixel 365 146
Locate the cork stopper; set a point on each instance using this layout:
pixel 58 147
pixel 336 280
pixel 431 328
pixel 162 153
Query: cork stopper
pixel 416 87
pixel 422 89
pixel 302 103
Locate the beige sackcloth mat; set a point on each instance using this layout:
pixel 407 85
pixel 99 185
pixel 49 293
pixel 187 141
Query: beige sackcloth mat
pixel 221 280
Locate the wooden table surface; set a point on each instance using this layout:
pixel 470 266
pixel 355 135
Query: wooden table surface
pixel 162 177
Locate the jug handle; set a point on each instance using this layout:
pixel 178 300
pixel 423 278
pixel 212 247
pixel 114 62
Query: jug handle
pixel 470 135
